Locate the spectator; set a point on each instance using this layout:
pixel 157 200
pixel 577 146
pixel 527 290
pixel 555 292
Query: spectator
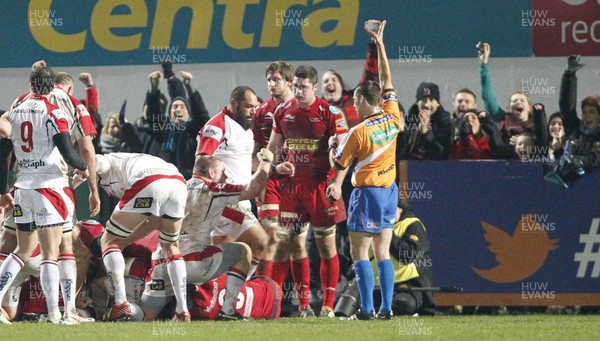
pixel 464 100
pixel 118 135
pixel 429 127
pixel 477 137
pixel 110 140
pixel 334 91
pixel 585 131
pixel 518 118
pixel 186 117
pixel 148 128
pixel 91 104
pixel 556 133
pixel 372 205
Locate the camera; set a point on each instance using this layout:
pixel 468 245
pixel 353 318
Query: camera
pixel 479 46
pixel 372 25
pixel 569 167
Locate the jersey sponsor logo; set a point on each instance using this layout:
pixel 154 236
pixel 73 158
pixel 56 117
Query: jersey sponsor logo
pixel 385 118
pixel 17 211
pixel 387 170
pixel 269 115
pixel 289 117
pixel 302 144
pixel 157 284
pixel 42 214
pixel 5 279
pixel 213 298
pixel 334 110
pixel 331 211
pixel 26 163
pixel 390 97
pixel 212 132
pixel 383 136
pixel 314 119
pixel 372 225
pixel 145 202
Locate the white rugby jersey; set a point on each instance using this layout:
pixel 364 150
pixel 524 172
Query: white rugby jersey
pixel 128 168
pixel 224 138
pixel 205 203
pixel 80 120
pixel 34 123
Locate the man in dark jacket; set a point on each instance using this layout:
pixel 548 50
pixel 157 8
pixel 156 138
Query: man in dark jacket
pixel 428 127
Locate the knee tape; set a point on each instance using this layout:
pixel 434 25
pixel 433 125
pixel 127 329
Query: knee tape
pixel 168 237
pixel 117 230
pixel 322 233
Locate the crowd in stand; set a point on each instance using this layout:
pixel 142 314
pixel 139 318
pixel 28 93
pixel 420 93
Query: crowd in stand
pixel 292 165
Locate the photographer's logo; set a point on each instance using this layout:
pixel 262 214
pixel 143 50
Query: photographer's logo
pixel 537 86
pixel 537 19
pixel 415 191
pixel 413 54
pixel 168 328
pixel 537 155
pixel 534 222
pixel 163 124
pixel 162 54
pixel 414 326
pixel 44 19
pixel 292 292
pixel 290 19
pixel 537 291
pixel 418 258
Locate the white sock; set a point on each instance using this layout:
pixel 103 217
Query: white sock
pixel 50 284
pixel 115 269
pixel 235 280
pixel 9 270
pixel 137 314
pixel 67 270
pixel 178 275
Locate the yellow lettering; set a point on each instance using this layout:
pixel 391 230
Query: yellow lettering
pixel 199 32
pixel 273 21
pixel 103 21
pixel 233 22
pixel 49 38
pixel 342 35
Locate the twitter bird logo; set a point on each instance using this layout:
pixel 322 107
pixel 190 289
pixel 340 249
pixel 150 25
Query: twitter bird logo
pixel 520 255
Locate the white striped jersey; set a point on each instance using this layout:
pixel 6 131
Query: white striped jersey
pixel 34 123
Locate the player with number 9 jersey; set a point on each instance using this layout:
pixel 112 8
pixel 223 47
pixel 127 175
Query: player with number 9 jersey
pixel 38 161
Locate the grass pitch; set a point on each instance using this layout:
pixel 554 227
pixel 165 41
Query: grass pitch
pixel 524 327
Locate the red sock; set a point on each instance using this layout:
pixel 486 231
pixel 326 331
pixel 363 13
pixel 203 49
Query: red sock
pixel 280 272
pixel 265 268
pixel 330 275
pixel 301 273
